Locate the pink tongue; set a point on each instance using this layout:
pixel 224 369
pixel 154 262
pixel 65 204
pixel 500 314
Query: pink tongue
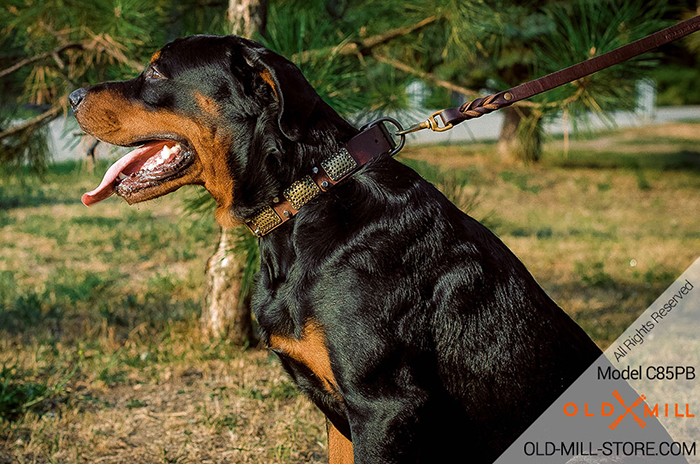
pixel 128 164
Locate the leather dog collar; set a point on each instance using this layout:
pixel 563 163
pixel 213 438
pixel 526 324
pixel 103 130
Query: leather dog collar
pixel 373 141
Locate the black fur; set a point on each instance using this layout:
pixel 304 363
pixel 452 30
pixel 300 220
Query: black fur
pixel 443 346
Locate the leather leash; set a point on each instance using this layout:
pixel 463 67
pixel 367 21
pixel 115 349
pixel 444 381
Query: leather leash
pixel 374 139
pixel 473 109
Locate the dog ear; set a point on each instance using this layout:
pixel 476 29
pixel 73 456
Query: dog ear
pixel 297 98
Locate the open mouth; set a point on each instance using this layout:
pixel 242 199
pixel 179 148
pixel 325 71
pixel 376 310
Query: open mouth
pixel 146 167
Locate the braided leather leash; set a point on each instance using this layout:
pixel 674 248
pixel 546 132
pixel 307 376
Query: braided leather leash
pixel 452 116
pixel 374 140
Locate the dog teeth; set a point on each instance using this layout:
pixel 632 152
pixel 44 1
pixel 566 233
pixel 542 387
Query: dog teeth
pixel 122 176
pixel 166 152
pixel 160 158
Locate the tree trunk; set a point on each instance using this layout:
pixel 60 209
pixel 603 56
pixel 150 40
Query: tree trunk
pixel 521 136
pixel 226 311
pixel 247 17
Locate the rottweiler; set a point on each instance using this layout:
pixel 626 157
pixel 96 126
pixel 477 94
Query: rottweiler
pixel 408 323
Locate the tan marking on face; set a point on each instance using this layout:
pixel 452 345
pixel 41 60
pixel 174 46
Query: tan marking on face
pixel 311 351
pixel 339 448
pixel 207 104
pixel 267 77
pixel 155 56
pixel 109 116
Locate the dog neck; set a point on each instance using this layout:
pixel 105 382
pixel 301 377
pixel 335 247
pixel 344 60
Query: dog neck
pixel 292 253
pixel 267 163
pixel 372 141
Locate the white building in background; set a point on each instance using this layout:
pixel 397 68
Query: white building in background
pixel 645 107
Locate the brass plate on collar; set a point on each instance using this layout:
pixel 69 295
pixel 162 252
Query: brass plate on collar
pixel 301 191
pixel 264 221
pixel 339 165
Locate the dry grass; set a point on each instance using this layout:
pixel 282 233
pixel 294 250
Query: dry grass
pixel 99 306
pixel 242 410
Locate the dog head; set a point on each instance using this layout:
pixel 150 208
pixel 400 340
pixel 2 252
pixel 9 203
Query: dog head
pixel 221 112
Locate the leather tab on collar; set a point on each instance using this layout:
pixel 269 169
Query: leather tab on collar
pixel 369 144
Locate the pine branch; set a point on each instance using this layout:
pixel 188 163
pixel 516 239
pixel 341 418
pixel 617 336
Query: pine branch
pixel 381 39
pixel 365 46
pixel 114 49
pixel 53 53
pixel 425 75
pixel 39 120
pixel 101 43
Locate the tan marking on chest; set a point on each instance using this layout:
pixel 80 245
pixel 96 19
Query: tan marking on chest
pixel 311 351
pixel 339 448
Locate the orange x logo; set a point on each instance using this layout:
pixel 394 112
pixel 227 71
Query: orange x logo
pixel 628 410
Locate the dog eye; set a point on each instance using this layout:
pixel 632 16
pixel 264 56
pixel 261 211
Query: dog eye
pixel 154 74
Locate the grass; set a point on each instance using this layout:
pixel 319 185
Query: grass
pixel 101 359
pixel 603 228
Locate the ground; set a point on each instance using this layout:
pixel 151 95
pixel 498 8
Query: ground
pixel 101 359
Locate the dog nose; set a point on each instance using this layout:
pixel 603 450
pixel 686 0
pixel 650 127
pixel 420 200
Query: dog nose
pixel 76 97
